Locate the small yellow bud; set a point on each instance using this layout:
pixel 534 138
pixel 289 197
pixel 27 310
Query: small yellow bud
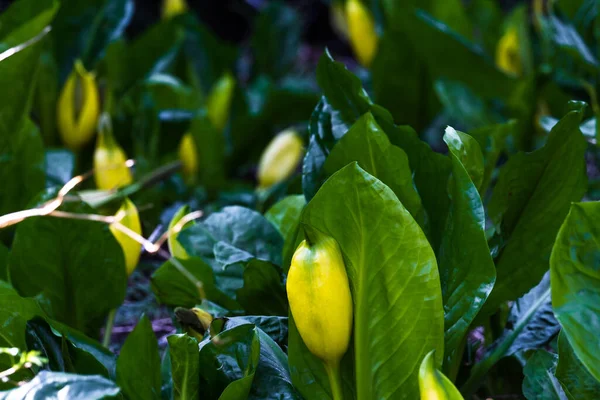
pixel 434 385
pixel 219 101
pixel 128 216
pixel 78 108
pixel 172 8
pixel 280 159
pixel 110 168
pixel 188 156
pixel 361 28
pixel 508 53
pixel 194 322
pixel 175 248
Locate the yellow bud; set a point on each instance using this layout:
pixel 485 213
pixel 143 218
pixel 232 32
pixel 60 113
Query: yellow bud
pixel 361 29
pixel 508 53
pixel 338 19
pixel 78 108
pixel 188 156
pixel 128 216
pixel 434 385
pixel 219 101
pixel 280 159
pixel 110 169
pixel 175 248
pixel 172 8
pixel 319 296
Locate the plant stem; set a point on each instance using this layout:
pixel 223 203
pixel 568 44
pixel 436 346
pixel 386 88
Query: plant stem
pixel 110 322
pixel 335 380
pixel 482 368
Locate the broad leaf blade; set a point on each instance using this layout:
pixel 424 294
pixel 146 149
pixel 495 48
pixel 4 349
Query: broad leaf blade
pixel 185 366
pixel 540 382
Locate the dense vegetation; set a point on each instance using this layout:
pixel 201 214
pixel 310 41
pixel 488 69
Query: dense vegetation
pixel 182 217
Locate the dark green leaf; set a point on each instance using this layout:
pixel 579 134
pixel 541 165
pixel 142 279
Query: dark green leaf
pixel 467 271
pixel 97 23
pixel 276 39
pixel 389 263
pixel 210 147
pixel 78 265
pixel 68 350
pixel 576 282
pixel 574 377
pixel 23 20
pixel 184 283
pixel 492 140
pixel 138 366
pixel 540 382
pixel 185 366
pixel 60 165
pixel 3 262
pixel 54 385
pixel 263 292
pixel 531 186
pixel 285 215
pixel 367 144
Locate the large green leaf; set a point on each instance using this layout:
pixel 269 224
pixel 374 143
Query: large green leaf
pixel 394 280
pixel 77 265
pixel 68 350
pixel 540 382
pixel 97 23
pixel 54 385
pixel 138 366
pixel 3 262
pixel 574 377
pixel 366 143
pixel 492 140
pixel 576 282
pixel 531 200
pixel 21 148
pixel 185 366
pixel 467 271
pixel 263 292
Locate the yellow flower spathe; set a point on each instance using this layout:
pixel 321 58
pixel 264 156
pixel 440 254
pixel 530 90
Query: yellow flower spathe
pixel 110 168
pixel 128 216
pixel 280 158
pixel 172 8
pixel 78 108
pixel 188 156
pixel 433 385
pixel 508 53
pixel 361 30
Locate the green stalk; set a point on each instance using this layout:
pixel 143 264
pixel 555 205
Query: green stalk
pixel 335 379
pixel 110 322
pixel 469 388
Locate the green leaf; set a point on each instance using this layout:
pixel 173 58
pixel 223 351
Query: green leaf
pixel 467 271
pixel 138 366
pixel 23 20
pixel 531 206
pixel 492 141
pixel 15 311
pixel 68 350
pixel 367 144
pixel 210 147
pixel 48 385
pixel 185 283
pixel 263 292
pixel 575 282
pixel 540 382
pixel 78 265
pixel 97 23
pixel 285 215
pixel 3 262
pixel 574 377
pixel 276 39
pixel 389 263
pixel 434 385
pixel 531 323
pixel 185 366
pixel 234 353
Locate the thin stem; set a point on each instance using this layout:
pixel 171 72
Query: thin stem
pixel 110 322
pixel 481 369
pixel 335 380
